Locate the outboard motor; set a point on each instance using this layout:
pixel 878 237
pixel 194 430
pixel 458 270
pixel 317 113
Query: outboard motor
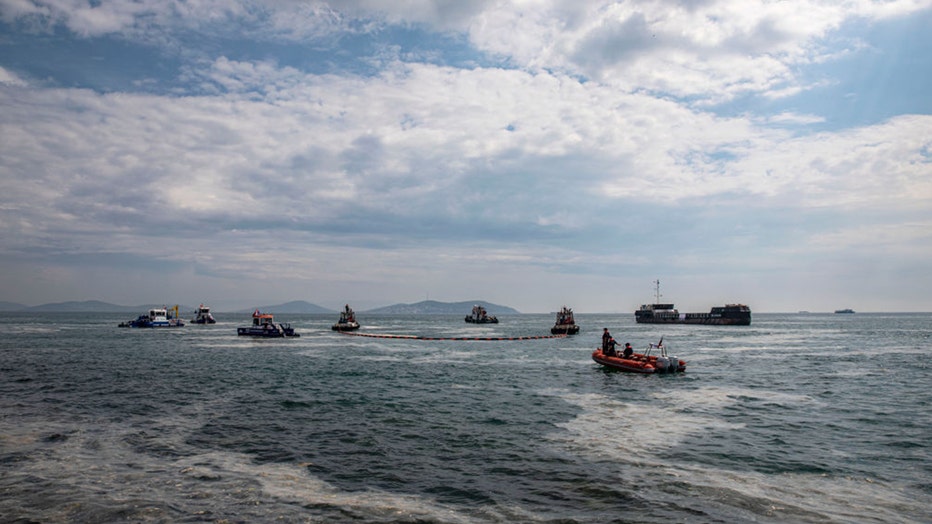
pixel 662 364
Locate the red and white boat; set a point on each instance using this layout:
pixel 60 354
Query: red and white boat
pixel 641 362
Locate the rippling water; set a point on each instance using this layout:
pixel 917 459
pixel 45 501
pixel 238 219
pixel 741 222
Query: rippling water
pixel 796 418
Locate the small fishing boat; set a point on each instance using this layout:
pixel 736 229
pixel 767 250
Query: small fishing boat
pixel 480 316
pixel 565 324
pixel 641 362
pixel 156 318
pixel 263 325
pixel 347 320
pixel 202 315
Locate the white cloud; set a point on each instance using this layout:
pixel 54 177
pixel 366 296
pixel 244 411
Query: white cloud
pixel 875 166
pixel 793 118
pixel 714 50
pixel 308 147
pixel 893 240
pixel 561 164
pixel 11 79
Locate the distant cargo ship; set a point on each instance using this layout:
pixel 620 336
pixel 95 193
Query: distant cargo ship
pixel 844 311
pixel 665 313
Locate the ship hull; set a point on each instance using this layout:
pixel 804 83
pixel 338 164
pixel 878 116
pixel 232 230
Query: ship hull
pixel 274 332
pixel 345 326
pixel 709 321
pixel 487 320
pixel 564 329
pixel 727 315
pixel 639 363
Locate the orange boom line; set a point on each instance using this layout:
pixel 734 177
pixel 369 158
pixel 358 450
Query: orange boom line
pixel 416 337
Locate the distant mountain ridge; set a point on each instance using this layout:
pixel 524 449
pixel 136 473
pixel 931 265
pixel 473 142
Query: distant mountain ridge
pixel 295 306
pixel 426 307
pixel 94 306
pixel 12 306
pixel 433 307
pixel 98 306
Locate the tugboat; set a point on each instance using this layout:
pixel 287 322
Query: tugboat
pixel 644 363
pixel 347 320
pixel 202 316
pixel 263 325
pixel 480 316
pixel 660 313
pixel 157 317
pixel 565 324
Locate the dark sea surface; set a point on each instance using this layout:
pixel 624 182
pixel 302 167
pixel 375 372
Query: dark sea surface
pixel 796 418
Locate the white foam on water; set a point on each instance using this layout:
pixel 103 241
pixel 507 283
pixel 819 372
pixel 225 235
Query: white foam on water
pixel 103 459
pixel 639 433
pixel 12 329
pixel 736 348
pixel 790 496
pixel 631 431
pixel 291 483
pixel 720 397
pixel 423 356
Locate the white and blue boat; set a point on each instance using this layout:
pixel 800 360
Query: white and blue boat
pixel 156 318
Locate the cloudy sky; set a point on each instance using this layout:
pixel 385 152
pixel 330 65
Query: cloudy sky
pixel 531 153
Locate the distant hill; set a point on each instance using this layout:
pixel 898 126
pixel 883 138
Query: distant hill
pixel 96 306
pixel 11 306
pixel 81 307
pixel 432 307
pixel 426 307
pixel 296 306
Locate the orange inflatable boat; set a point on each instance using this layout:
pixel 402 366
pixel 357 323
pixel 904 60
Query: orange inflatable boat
pixel 640 362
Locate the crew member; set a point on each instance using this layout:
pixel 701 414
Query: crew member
pixel 628 350
pixel 610 351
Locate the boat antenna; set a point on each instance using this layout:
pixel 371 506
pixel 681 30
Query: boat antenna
pixel 657 294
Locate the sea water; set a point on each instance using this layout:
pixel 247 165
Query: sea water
pixel 796 418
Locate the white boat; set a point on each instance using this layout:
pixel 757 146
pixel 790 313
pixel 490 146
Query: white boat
pixel 202 315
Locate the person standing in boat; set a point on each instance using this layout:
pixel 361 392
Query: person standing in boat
pixel 610 351
pixel 606 336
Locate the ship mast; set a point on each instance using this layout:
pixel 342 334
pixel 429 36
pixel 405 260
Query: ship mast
pixel 657 294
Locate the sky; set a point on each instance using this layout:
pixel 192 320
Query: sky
pixel 534 153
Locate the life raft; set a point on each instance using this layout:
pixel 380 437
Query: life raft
pixel 640 363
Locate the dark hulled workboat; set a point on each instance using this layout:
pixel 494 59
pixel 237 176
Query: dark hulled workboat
pixel 661 313
pixel 565 324
pixel 480 316
pixel 347 320
pixel 727 315
pixel 263 325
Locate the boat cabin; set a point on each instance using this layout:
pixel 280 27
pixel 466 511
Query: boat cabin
pixel 262 320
